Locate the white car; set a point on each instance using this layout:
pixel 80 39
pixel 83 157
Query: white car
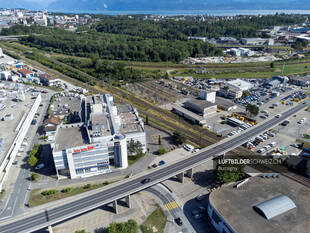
pixel 261 151
pixel 188 147
pixel 278 115
pixel 273 144
pixel 267 147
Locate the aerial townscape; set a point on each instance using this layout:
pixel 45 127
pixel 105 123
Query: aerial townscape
pixel 130 116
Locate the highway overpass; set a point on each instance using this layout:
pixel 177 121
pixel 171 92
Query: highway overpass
pixel 70 207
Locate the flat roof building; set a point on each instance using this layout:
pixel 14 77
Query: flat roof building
pixel 201 107
pixel 261 205
pixel 303 81
pixel 234 89
pixel 257 41
pixel 99 143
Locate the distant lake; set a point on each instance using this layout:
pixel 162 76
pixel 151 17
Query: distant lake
pixel 194 12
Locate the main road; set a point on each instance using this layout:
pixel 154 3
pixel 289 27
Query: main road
pixel 42 218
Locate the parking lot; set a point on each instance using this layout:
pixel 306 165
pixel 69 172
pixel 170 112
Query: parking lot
pixel 283 136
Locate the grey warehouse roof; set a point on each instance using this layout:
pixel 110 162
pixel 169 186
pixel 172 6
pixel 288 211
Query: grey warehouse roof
pixel 275 206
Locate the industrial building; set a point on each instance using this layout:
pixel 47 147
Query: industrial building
pixel 303 81
pixel 257 41
pixel 260 205
pixel 225 104
pixel 240 52
pixel 98 144
pixel 201 107
pixel 189 115
pixel 235 88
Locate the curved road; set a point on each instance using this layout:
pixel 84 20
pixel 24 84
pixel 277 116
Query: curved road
pixel 45 218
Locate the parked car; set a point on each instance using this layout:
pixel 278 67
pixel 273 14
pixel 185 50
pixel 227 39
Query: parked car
pixel 39 166
pixel 202 209
pixel 161 162
pixel 195 211
pixel 188 147
pixel 200 197
pixel 261 151
pixel 197 216
pixel 178 221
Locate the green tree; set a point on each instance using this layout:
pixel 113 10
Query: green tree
pixel 147 120
pixel 252 109
pixel 272 65
pixel 80 231
pixel 179 137
pixel 34 176
pixel 135 147
pixel 245 94
pixel 32 161
pixel 34 155
pixel 128 227
pixel 226 173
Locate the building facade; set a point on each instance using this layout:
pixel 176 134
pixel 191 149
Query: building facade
pixel 99 144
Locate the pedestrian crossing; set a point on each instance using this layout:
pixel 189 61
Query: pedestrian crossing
pixel 171 205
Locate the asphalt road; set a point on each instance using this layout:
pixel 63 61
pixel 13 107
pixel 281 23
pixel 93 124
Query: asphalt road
pixel 166 197
pixel 16 200
pixel 133 185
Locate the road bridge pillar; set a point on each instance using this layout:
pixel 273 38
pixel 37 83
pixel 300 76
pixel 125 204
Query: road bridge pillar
pixel 115 206
pixel 128 201
pixel 180 177
pixel 189 173
pixel 50 229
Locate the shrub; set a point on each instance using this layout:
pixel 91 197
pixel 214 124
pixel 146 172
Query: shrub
pixel 66 190
pixel 161 151
pixel 49 192
pixel 34 176
pixel 87 186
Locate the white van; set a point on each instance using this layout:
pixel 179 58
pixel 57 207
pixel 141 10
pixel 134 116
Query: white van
pixel 188 147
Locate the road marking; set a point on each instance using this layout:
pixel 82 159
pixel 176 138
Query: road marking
pixel 171 205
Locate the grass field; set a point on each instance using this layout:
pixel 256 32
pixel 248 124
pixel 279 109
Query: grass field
pixel 155 222
pixel 36 198
pixel 289 69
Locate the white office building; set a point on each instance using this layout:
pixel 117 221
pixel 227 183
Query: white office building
pixel 235 88
pixel 99 144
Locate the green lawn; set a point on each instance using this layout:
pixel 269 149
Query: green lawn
pixel 36 198
pixel 289 69
pixel 134 158
pixel 156 222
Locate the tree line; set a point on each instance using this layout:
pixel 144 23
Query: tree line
pixel 120 47
pixel 170 29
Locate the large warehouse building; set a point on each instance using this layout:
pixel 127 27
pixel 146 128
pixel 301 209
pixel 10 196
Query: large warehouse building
pixel 260 205
pixel 100 143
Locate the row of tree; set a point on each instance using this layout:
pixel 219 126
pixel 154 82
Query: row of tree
pixel 120 47
pixel 110 72
pixel 171 29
